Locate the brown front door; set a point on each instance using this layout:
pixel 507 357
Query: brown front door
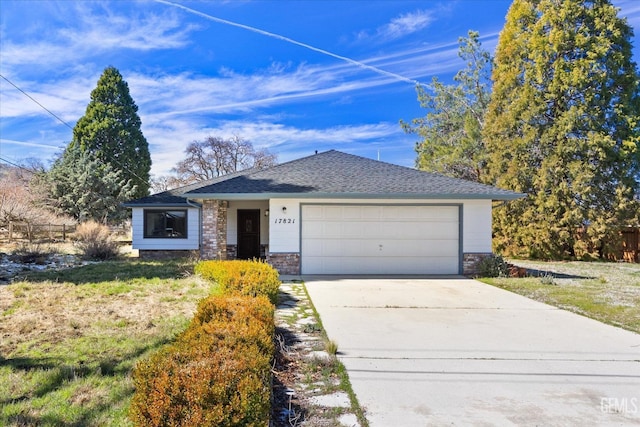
pixel 248 233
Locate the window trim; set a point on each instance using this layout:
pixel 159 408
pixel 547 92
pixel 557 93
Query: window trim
pixel 164 211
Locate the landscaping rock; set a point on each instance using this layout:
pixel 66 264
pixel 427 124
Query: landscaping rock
pixel 13 265
pixel 303 394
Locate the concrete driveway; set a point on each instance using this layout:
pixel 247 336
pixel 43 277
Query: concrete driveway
pixel 458 352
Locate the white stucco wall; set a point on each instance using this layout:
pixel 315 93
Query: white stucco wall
pixel 476 226
pixel 192 242
pixel 232 219
pixel 284 227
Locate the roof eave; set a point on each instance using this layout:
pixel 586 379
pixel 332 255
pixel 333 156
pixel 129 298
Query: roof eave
pixel 160 204
pixel 439 196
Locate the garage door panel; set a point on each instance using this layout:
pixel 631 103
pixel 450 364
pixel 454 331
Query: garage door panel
pixel 373 212
pixel 367 265
pixel 313 212
pixel 367 239
pixel 332 212
pixel 353 230
pixel 441 231
pixel 415 248
pixel 329 230
pixel 350 213
pixel 314 229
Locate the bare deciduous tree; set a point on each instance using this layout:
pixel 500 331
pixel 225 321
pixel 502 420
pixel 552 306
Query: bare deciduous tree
pixel 216 156
pixel 21 199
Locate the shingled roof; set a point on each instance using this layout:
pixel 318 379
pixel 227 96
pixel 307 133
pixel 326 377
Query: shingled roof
pixel 175 197
pixel 337 175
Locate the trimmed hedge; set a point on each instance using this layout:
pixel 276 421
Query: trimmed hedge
pixel 238 277
pixel 217 373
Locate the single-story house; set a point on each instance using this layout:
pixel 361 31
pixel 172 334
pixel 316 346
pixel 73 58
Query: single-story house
pixel 329 213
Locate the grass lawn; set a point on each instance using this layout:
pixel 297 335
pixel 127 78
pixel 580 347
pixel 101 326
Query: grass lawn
pixel 608 292
pixel 69 339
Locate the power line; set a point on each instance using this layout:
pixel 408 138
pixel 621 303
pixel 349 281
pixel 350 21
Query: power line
pixel 34 100
pixel 15 164
pixel 69 126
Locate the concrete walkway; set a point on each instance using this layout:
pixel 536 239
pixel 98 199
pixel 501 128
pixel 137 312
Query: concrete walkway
pixel 458 352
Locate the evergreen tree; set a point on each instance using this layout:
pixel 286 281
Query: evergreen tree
pixel 563 126
pixel 84 187
pixel 451 132
pixel 110 131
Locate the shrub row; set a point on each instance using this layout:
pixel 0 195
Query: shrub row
pixel 218 371
pixel 238 277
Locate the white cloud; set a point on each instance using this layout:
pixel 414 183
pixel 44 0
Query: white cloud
pixel 66 99
pixel 92 34
pixel 170 141
pixel 145 32
pixel 399 27
pixel 406 24
pixel 7 143
pixel 631 10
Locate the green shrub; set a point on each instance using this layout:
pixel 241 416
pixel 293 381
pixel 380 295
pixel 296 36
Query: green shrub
pixel 493 266
pixel 94 241
pixel 217 373
pixel 238 277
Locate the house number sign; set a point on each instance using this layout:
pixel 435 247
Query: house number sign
pixel 284 221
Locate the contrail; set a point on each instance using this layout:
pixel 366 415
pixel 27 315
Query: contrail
pixel 292 41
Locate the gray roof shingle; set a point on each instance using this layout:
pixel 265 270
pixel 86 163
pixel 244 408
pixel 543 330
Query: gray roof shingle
pixel 333 174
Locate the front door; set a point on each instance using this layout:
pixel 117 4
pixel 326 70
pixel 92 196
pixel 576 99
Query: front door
pixel 248 233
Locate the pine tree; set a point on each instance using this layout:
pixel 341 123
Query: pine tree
pixel 451 141
pixel 110 131
pixel 563 126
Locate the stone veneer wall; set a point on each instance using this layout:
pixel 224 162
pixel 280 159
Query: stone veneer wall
pixel 232 251
pixel 214 229
pixel 470 262
pixel 285 263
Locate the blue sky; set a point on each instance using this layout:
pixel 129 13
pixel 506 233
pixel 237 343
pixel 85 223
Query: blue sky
pixel 290 76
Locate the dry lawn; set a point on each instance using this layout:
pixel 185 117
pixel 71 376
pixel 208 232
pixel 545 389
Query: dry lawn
pixel 605 291
pixel 69 339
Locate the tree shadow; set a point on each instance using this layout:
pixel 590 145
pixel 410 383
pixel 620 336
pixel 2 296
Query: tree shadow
pixel 533 272
pixel 59 374
pixel 285 408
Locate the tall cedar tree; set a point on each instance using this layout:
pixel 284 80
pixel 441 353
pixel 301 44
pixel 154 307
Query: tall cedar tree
pixel 563 126
pixel 110 131
pixel 451 132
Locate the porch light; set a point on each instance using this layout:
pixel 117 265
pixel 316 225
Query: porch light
pixel 284 209
pixel 266 212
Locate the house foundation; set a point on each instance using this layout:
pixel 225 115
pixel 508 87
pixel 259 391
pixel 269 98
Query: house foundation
pixel 471 261
pixel 285 262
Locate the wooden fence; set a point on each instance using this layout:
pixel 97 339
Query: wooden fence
pixel 630 246
pixel 32 231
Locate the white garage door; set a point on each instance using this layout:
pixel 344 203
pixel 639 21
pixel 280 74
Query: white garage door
pixel 357 239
